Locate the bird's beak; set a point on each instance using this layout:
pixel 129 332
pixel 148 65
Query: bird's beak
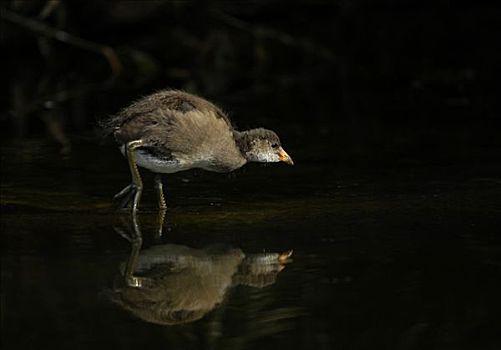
pixel 284 157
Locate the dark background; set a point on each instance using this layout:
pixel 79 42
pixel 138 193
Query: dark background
pixel 351 77
pixel 390 110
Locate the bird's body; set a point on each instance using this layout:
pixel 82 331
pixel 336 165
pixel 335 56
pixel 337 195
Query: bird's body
pixel 171 131
pixel 181 131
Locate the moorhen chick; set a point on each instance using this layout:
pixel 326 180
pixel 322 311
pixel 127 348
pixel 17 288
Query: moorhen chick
pixel 170 131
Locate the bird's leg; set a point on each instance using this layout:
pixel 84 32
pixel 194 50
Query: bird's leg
pixel 134 190
pixel 137 183
pixel 160 192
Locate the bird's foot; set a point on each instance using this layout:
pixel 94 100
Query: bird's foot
pixel 128 196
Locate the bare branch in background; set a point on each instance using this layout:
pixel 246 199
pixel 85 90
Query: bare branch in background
pixel 284 38
pixel 43 29
pixel 49 7
pixel 48 101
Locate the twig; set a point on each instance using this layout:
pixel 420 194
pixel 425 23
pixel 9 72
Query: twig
pixel 49 7
pixel 65 37
pixel 284 38
pixel 65 95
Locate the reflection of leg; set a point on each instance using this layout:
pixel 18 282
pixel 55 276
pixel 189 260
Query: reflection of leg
pixel 136 243
pixel 160 223
pixel 134 237
pixel 130 279
pixel 160 192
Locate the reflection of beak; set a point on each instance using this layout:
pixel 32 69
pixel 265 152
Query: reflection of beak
pixel 284 257
pixel 284 157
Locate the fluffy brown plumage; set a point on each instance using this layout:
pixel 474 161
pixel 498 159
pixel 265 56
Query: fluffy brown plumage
pixel 171 131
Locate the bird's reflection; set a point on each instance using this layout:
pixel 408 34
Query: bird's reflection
pixel 173 284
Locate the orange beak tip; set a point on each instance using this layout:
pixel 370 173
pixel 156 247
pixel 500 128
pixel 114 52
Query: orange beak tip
pixel 284 157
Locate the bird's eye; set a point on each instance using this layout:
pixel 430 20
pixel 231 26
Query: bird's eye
pixel 274 145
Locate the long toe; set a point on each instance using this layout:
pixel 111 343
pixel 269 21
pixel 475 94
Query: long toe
pixel 125 191
pixel 127 197
pixel 138 190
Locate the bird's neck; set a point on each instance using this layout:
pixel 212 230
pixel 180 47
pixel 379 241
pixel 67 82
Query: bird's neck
pixel 243 141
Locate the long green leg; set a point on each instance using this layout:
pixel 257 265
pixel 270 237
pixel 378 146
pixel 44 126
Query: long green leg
pixel 133 191
pixel 137 183
pixel 160 192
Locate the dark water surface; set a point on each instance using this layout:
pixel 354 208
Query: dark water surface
pixel 406 256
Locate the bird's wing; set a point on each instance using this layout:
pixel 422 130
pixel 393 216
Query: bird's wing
pixel 161 108
pixel 183 102
pixel 196 134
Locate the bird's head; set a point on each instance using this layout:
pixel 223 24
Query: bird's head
pixel 262 145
